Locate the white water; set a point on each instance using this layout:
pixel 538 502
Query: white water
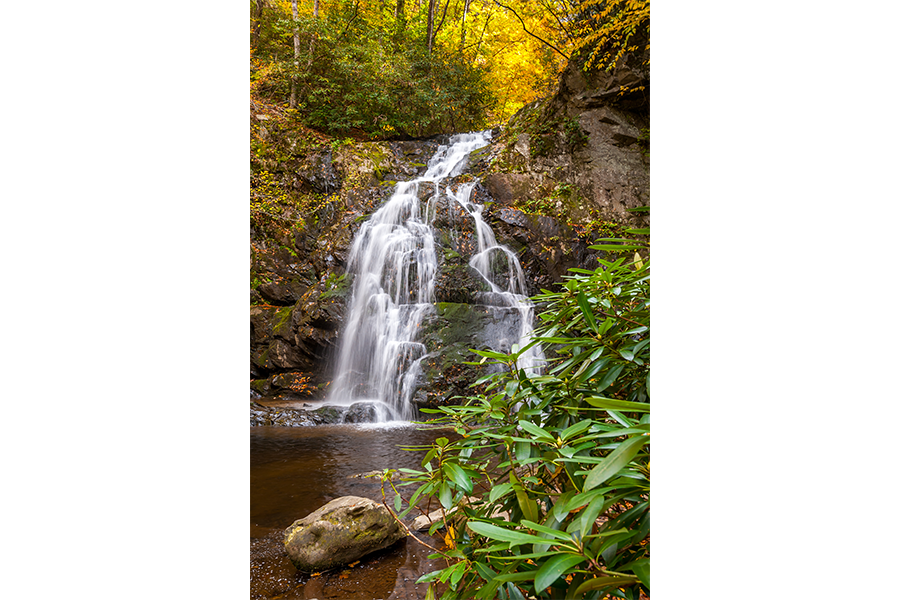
pixel 500 268
pixel 394 264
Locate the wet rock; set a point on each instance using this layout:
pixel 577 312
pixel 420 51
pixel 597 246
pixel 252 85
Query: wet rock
pixel 284 356
pixel 361 412
pixel 280 417
pixel 282 293
pixel 342 531
pixel 318 172
pixel 328 415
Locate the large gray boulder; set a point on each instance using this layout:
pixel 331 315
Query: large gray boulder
pixel 342 531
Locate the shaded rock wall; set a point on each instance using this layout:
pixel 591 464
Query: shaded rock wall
pixel 581 154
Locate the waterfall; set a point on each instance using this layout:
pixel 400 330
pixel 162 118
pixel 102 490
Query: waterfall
pixel 393 261
pixel 499 267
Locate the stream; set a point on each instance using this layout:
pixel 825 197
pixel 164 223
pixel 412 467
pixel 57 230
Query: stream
pixel 294 471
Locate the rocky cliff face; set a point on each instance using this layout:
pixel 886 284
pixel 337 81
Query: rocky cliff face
pixel 565 171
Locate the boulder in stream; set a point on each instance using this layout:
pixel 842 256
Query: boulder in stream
pixel 342 531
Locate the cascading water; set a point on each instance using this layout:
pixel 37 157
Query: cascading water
pixel 394 263
pixel 500 269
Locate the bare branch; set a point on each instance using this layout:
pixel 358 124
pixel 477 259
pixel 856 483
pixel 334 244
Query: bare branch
pixel 540 39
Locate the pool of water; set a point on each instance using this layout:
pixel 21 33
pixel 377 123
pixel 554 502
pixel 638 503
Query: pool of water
pixel 294 471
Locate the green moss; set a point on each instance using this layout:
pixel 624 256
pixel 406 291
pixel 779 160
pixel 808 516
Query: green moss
pixel 281 324
pixel 336 286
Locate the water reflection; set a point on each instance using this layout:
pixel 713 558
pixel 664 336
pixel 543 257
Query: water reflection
pixel 294 471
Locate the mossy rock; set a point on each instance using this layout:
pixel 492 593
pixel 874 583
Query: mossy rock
pixel 342 531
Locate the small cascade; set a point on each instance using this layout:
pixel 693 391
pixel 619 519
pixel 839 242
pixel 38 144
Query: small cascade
pixel 500 268
pixel 394 264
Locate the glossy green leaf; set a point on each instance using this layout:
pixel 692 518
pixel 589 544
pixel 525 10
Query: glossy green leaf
pixel 575 429
pixel 429 577
pixel 514 592
pixel 616 248
pixel 550 571
pixel 615 461
pixel 588 516
pixel 445 496
pixel 536 431
pixel 528 505
pixel 599 583
pixel 458 476
pixel 641 568
pixel 398 502
pixel 554 533
pixel 609 378
pixel 498 491
pixel 618 404
pixel 523 451
pixel 503 534
pixel 585 307
pixel 485 571
pixel 520 576
pixel 457 574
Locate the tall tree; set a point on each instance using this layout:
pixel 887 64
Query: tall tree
pixel 256 21
pixel 430 39
pixel 312 38
pixel 399 22
pixel 293 101
pixel 462 27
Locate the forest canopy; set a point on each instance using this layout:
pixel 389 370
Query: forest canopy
pixel 380 69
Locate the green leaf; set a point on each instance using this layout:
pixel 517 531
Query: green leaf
pixel 458 476
pixel 614 404
pixel 616 248
pixel 503 534
pixel 641 568
pixel 609 378
pixel 585 307
pixel 445 496
pixel 588 516
pixel 599 583
pixel 528 505
pixel 514 592
pixel 485 571
pixel 575 429
pixel 615 461
pixel 536 431
pixel 429 576
pixel 457 574
pixel 398 502
pixel 523 451
pixel 548 530
pixel 553 568
pixel 521 576
pixel 498 491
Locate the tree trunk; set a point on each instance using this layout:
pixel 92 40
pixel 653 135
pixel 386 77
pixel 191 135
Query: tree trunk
pixel 462 27
pixel 430 40
pixel 399 23
pixel 293 101
pixel 312 38
pixel 443 16
pixel 256 21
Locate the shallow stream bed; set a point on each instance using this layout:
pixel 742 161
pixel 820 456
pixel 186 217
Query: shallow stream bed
pixel 294 471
